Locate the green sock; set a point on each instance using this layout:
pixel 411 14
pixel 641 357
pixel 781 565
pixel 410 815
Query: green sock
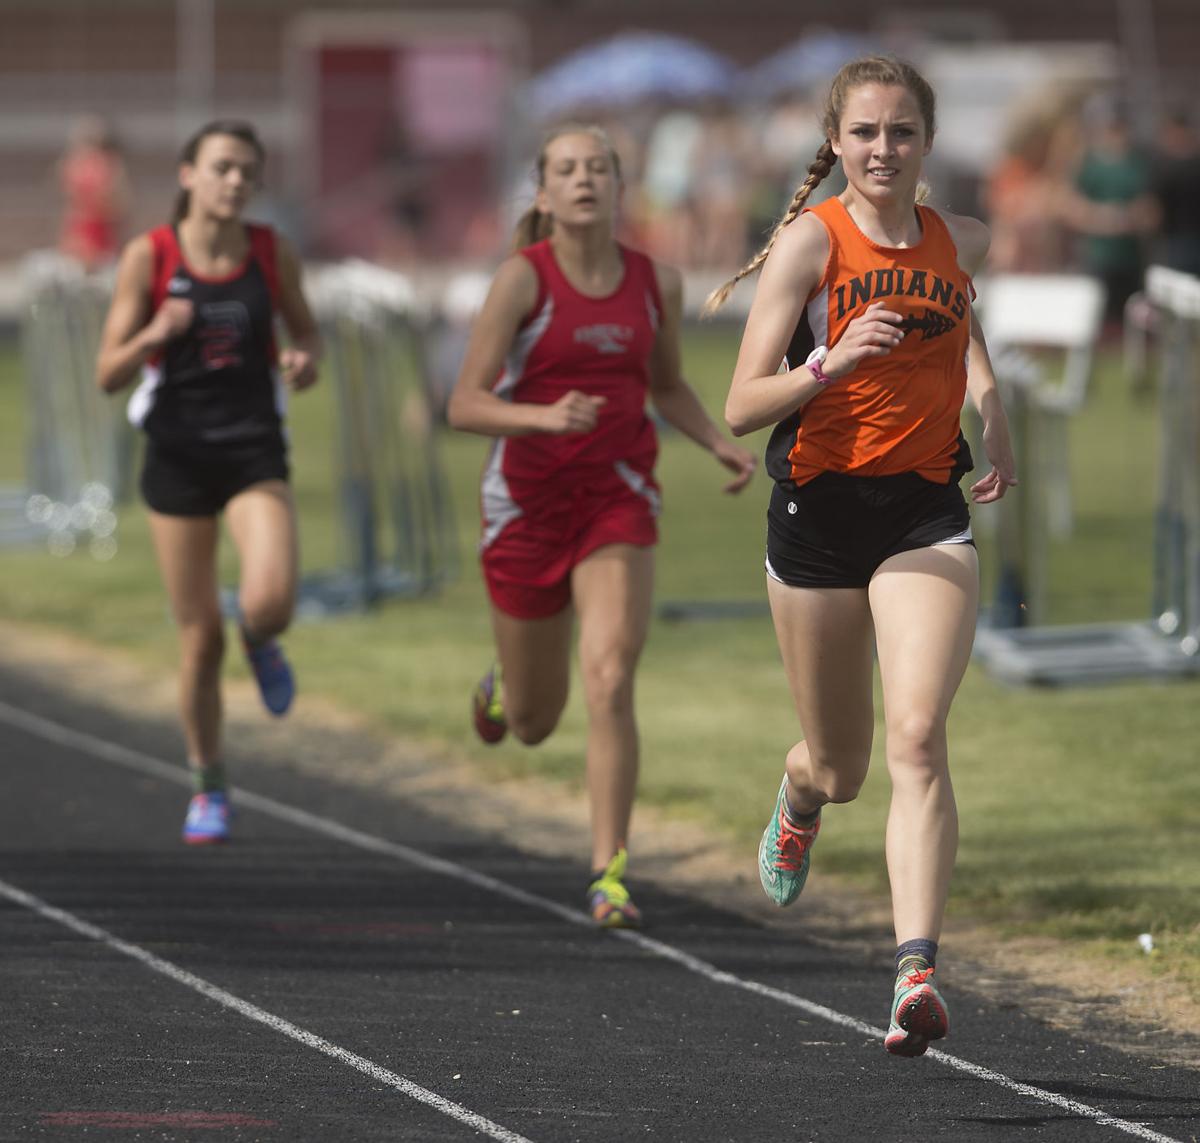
pixel 209 779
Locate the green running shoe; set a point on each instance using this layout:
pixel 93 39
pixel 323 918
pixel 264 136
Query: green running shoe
pixel 919 1014
pixel 608 899
pixel 487 713
pixel 783 853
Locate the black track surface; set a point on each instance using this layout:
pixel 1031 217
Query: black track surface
pixel 552 1031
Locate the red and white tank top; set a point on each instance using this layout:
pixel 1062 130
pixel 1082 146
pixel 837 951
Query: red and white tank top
pixel 599 346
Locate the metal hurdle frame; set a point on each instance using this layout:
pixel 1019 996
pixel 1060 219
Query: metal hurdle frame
pixel 1175 297
pixel 1167 645
pixel 79 446
pixel 398 535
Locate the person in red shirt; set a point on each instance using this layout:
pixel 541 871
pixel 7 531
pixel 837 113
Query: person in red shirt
pixel 194 311
pixel 95 187
pixel 866 301
pixel 577 330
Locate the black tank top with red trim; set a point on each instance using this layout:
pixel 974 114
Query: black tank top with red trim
pixel 217 383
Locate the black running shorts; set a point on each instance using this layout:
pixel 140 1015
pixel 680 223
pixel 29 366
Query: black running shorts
pixel 200 481
pixel 835 530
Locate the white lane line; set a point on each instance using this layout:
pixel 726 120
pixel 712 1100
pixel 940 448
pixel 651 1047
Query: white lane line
pixel 146 764
pixel 253 1012
pixel 717 976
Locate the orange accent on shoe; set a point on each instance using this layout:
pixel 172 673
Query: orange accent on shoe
pixel 793 843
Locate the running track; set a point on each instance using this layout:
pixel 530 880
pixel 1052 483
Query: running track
pixel 350 969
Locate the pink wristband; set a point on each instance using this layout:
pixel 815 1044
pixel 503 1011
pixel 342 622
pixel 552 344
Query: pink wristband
pixel 814 363
pixel 819 374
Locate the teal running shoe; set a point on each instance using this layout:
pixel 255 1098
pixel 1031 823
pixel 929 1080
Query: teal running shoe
pixel 207 821
pixel 783 853
pixel 919 1014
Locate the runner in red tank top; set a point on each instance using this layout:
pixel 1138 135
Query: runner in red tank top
pixel 866 300
pixel 194 310
pixel 576 331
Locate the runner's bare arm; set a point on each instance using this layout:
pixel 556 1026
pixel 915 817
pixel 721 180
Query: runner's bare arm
pixel 675 399
pixel 131 336
pixel 473 407
pixel 298 361
pixel 972 239
pixel 759 394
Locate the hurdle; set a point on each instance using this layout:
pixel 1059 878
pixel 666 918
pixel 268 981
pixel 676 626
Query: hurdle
pixel 397 530
pixel 397 534
pixel 79 448
pixel 1021 649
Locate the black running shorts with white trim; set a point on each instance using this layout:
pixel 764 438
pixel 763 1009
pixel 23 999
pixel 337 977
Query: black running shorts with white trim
pixel 835 530
pixel 200 481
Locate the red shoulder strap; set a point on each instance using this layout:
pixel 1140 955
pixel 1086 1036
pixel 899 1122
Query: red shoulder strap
pixel 262 250
pixel 643 266
pixel 166 259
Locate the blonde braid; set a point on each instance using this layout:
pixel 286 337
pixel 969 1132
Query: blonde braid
pixel 818 171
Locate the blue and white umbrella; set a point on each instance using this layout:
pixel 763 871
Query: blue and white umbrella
pixel 809 62
pixel 627 69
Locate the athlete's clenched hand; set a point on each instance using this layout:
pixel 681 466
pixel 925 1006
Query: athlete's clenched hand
pixel 1003 475
pixel 298 368
pixel 737 460
pixel 575 412
pixel 873 333
pixel 172 318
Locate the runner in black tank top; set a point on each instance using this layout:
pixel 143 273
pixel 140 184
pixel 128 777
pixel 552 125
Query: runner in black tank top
pixel 193 309
pixel 217 384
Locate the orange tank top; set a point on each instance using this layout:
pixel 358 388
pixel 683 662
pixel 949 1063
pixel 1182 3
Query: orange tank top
pixel 898 413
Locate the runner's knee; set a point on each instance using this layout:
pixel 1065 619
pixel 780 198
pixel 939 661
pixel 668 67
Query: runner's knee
pixel 836 770
pixel 916 743
pixel 202 640
pixel 265 614
pixel 608 685
pixel 532 726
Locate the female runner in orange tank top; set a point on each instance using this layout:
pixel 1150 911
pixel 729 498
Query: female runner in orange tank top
pixel 867 301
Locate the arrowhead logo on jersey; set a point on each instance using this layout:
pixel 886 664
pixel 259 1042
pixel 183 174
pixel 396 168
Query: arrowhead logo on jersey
pixel 929 322
pixel 605 337
pixel 178 286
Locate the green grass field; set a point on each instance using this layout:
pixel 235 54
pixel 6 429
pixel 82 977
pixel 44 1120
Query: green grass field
pixel 1078 807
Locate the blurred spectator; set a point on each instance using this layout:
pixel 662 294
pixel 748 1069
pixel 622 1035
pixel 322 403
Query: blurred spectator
pixel 626 142
pixel 667 220
pixel 1109 205
pixel 95 186
pixel 788 137
pixel 1020 194
pixel 407 195
pixel 720 191
pixel 1175 188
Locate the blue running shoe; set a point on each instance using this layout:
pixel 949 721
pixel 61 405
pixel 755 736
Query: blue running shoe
pixel 276 683
pixel 207 821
